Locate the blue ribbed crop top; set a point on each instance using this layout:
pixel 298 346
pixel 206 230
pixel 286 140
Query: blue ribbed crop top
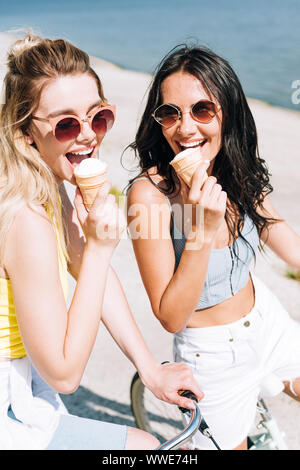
pixel 228 267
pixel 227 272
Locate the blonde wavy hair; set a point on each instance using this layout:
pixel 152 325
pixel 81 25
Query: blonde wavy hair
pixel 25 178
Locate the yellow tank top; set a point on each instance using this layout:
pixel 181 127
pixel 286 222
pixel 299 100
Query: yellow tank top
pixel 11 345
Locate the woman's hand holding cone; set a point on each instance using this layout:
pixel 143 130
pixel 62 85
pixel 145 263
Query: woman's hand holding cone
pixel 209 200
pixel 104 223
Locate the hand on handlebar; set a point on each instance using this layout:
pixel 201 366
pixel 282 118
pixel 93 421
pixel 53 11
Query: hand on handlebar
pixel 191 396
pixel 171 380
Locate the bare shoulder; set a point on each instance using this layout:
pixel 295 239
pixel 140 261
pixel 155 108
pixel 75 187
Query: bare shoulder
pixel 144 189
pixel 30 233
pixel 148 210
pixel 29 219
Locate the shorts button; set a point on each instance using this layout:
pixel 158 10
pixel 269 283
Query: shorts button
pixel 197 355
pixel 231 339
pixel 247 323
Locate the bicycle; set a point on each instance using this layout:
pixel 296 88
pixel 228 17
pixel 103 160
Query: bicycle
pixel 165 421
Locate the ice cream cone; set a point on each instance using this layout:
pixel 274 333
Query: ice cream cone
pixel 89 179
pixel 185 164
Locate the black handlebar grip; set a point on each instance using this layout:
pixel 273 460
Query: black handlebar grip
pixel 191 396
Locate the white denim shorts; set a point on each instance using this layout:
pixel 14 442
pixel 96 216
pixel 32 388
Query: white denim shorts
pixel 230 362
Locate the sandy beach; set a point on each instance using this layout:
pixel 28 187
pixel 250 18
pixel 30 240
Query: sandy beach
pixel 104 393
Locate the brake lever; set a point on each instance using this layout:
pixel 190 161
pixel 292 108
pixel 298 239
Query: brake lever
pixel 203 426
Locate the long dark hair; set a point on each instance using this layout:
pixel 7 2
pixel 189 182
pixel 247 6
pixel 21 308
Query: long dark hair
pixel 238 166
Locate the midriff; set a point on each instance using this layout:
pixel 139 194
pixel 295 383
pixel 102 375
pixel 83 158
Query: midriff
pixel 226 312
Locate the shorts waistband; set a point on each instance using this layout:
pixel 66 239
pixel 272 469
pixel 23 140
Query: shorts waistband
pixel 222 332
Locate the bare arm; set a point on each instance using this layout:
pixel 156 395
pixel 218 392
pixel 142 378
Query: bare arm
pixel 164 381
pixel 58 341
pixel 76 239
pixel 174 295
pixel 280 237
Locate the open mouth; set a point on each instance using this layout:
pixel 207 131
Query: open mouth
pixel 75 158
pixel 191 145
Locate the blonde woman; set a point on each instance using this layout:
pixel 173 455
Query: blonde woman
pixel 54 116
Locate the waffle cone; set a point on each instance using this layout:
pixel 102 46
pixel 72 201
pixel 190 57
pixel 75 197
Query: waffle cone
pixel 186 166
pixel 89 187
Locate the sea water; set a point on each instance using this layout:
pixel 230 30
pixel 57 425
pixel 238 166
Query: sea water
pixel 260 38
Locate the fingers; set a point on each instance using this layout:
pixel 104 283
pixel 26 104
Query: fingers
pixel 186 403
pixel 104 205
pixel 104 222
pixel 111 221
pixel 185 381
pixel 199 177
pixel 102 196
pixel 222 199
pixel 211 191
pixel 192 386
pixel 210 196
pixel 100 199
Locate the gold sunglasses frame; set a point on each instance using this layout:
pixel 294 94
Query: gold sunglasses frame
pixel 180 113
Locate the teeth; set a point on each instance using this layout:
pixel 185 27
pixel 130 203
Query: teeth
pixel 191 144
pixel 83 152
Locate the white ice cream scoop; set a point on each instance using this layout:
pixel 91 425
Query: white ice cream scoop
pixel 90 166
pixel 90 174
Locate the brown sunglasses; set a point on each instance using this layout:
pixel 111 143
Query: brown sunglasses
pixel 203 111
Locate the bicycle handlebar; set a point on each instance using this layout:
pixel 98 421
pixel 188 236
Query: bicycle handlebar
pixel 187 433
pixel 196 423
pixel 191 396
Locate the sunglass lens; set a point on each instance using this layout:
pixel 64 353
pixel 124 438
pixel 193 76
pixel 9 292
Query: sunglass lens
pixel 103 121
pixel 204 111
pixel 166 115
pixel 67 129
